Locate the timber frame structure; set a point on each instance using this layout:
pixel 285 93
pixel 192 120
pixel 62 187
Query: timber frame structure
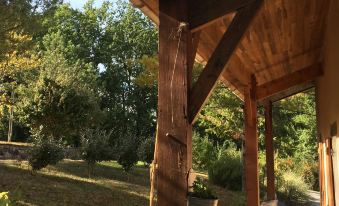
pixel 263 50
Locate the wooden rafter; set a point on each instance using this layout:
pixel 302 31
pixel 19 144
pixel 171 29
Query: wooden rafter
pixel 204 12
pixel 149 8
pixel 221 55
pixel 302 76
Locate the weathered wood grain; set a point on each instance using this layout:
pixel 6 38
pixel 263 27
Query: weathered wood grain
pixel 174 130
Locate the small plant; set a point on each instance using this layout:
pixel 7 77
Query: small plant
pixel 292 189
pixel 201 190
pixel 4 200
pixel 127 154
pixel 95 147
pixel 204 152
pixel 146 151
pixel 44 152
pixel 227 170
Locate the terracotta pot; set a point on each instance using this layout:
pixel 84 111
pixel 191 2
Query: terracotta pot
pixel 194 201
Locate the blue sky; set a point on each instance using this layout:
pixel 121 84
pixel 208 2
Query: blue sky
pixel 78 4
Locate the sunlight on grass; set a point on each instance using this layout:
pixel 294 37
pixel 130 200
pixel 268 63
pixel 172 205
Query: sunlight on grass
pixel 67 183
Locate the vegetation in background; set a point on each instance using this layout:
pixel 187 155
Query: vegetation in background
pixel 227 170
pixel 146 150
pixel 201 190
pixel 44 152
pixel 95 147
pixel 292 188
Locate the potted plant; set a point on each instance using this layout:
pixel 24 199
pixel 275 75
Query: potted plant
pixel 201 195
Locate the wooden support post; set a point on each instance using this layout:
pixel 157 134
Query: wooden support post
pixel 174 130
pixel 329 169
pixel 321 173
pixel 269 151
pixel 251 147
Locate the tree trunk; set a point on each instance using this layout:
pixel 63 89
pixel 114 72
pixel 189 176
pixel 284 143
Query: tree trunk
pixel 11 117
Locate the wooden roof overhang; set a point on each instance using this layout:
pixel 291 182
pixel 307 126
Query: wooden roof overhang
pixel 281 49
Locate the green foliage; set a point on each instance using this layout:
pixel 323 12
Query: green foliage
pixel 292 189
pixel 201 190
pixel 227 170
pixel 222 117
pixel 60 99
pixel 204 152
pixel 146 150
pixel 95 147
pixel 24 18
pixel 128 156
pixel 294 123
pixel 44 152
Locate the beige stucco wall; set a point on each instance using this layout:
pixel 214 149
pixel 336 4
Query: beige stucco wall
pixel 328 85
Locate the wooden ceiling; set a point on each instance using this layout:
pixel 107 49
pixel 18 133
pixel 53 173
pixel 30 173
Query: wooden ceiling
pixel 285 36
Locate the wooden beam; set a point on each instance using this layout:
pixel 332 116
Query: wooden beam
pixel 288 92
pixel 220 57
pixel 302 76
pixel 193 42
pixel 251 148
pixel 269 152
pixel 174 129
pixel 205 12
pixel 149 8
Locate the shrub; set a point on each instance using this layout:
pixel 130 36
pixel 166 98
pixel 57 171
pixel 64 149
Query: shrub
pixel 227 170
pixel 201 190
pixel 128 156
pixel 204 152
pixel 292 189
pixel 146 151
pixel 95 147
pixel 45 151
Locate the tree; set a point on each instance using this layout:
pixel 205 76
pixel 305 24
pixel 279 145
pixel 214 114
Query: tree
pixel 130 105
pixel 22 18
pixel 11 71
pixel 61 99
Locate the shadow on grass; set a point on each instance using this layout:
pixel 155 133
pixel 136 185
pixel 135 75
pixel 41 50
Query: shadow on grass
pixel 138 176
pixel 42 189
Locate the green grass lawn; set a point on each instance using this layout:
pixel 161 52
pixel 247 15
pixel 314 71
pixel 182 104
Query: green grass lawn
pixel 67 184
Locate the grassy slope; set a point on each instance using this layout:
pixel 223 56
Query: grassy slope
pixel 67 184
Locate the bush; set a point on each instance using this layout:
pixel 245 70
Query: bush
pixel 95 147
pixel 146 151
pixel 227 170
pixel 201 190
pixel 45 151
pixel 204 152
pixel 292 189
pixel 128 156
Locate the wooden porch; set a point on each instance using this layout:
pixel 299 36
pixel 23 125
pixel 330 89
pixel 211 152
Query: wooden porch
pixel 263 50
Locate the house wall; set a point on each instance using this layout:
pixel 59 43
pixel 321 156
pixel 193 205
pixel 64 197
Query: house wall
pixel 327 91
pixel 328 85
